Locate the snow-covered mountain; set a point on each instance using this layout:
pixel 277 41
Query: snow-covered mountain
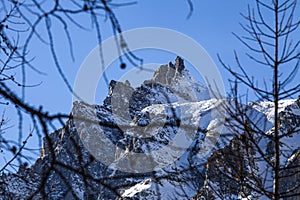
pixel 243 160
pixel 149 142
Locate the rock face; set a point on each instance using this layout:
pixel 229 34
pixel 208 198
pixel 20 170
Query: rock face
pixel 86 158
pixel 291 177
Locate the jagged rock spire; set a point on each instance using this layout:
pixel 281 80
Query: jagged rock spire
pixel 179 64
pixel 166 73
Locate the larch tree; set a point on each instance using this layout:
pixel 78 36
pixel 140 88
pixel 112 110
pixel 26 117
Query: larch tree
pixel 261 161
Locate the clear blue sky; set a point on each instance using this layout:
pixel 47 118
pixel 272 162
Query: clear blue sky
pixel 211 25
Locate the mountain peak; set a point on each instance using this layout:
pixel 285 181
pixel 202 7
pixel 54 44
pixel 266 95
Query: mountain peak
pixel 172 79
pixel 179 64
pixel 165 74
